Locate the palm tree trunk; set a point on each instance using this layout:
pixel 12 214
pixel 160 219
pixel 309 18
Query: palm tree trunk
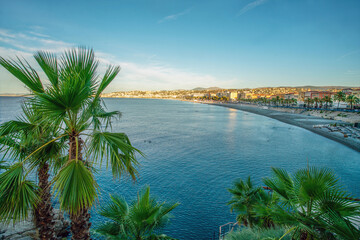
pixel 80 222
pixel 304 236
pixel 80 225
pixel 44 210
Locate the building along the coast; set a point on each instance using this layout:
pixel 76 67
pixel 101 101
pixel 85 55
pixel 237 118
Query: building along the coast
pixel 355 92
pixel 317 94
pixel 247 95
pixel 234 95
pixel 291 96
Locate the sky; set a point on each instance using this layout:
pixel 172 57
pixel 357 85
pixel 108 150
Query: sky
pixel 181 44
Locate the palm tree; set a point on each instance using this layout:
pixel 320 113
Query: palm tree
pixel 19 139
pixel 215 98
pixel 73 98
pixel 352 100
pixel 277 100
pixel 327 100
pixel 142 220
pixel 243 200
pixel 340 97
pixel 294 101
pixel 224 98
pixel 316 100
pixel 262 209
pixel 309 101
pixel 274 101
pixel 314 204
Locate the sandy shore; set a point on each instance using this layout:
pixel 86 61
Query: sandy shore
pixel 299 120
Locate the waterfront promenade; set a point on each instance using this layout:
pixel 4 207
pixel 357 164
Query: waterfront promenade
pixel 300 120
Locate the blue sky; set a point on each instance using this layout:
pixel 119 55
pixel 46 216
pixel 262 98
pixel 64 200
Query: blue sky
pixel 173 44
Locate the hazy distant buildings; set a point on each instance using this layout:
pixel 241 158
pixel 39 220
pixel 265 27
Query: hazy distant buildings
pixel 318 94
pixel 281 93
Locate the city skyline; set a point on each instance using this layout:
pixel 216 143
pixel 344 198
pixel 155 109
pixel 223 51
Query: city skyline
pixel 183 45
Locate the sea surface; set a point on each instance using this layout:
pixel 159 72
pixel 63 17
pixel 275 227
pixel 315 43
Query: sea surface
pixel 194 152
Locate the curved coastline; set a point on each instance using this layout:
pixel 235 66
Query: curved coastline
pixel 299 120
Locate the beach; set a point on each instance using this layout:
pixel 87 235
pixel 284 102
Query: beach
pixel 300 120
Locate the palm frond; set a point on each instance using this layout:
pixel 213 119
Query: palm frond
pixel 281 183
pixel 3 165
pixel 48 63
pixel 142 218
pixel 17 195
pixel 79 65
pixel 110 74
pixel 99 115
pixel 11 148
pixel 117 150
pixel 76 187
pixel 115 210
pixel 342 227
pixel 14 127
pixel 110 230
pixel 24 72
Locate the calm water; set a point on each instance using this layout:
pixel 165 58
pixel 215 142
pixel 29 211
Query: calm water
pixel 194 152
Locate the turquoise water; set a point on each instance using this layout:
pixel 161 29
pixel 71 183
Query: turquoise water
pixel 194 152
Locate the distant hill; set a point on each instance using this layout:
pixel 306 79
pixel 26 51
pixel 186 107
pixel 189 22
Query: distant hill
pixel 324 87
pixel 209 88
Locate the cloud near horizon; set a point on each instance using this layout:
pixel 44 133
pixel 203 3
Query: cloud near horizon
pixel 133 76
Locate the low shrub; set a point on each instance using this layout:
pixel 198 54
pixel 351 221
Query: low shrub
pixel 258 234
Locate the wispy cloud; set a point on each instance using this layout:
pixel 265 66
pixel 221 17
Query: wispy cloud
pixel 250 6
pixel 39 34
pixel 153 75
pixel 348 54
pixel 352 72
pixel 32 42
pixel 174 16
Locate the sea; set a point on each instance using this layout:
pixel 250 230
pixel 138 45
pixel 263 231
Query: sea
pixel 194 152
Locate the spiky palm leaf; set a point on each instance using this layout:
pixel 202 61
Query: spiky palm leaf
pixel 310 200
pixel 76 187
pixel 243 200
pixel 17 195
pixel 141 220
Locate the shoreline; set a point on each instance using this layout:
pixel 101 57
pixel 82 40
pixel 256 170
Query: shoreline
pixel 304 121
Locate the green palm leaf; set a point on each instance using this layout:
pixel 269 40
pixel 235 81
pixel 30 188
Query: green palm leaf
pixel 25 73
pixel 117 150
pixel 309 200
pixel 109 76
pixel 76 187
pixel 17 195
pixel 49 64
pixel 142 219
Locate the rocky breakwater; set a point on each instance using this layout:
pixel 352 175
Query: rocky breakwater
pixel 26 230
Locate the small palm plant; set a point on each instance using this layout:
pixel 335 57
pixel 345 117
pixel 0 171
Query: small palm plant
pixel 243 200
pixel 141 220
pixel 314 204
